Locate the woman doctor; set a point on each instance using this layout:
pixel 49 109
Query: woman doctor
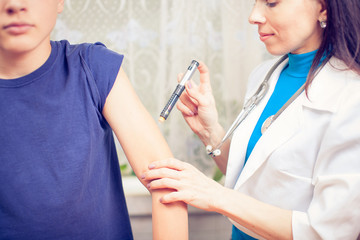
pixel 296 176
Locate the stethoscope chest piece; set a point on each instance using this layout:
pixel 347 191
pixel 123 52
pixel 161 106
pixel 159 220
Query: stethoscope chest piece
pixel 267 124
pixel 215 153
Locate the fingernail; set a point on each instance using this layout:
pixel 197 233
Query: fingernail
pixel 142 176
pixel 148 185
pixel 189 85
pixel 151 166
pixel 191 113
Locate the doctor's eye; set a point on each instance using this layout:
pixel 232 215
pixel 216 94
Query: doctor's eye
pixel 271 4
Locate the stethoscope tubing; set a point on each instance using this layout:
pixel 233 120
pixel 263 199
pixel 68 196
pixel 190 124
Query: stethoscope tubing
pixel 248 107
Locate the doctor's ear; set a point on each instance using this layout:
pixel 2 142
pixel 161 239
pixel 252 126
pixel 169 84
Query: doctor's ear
pixel 323 11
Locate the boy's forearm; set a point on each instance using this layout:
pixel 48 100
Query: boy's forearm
pixel 170 221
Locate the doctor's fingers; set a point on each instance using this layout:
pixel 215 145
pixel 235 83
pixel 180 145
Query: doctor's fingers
pixel 161 173
pixel 186 181
pixel 187 107
pixel 200 95
pixel 171 163
pixel 173 197
pixel 186 191
pixel 164 183
pixel 204 73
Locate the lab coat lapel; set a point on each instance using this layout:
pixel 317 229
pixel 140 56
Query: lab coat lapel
pixel 323 88
pixel 280 131
pixel 243 132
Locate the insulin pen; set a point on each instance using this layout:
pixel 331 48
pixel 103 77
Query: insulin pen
pixel 179 89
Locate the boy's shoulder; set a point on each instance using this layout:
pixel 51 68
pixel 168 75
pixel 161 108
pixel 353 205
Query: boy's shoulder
pixel 90 52
pixel 78 48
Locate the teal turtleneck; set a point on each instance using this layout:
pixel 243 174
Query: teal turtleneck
pixel 292 77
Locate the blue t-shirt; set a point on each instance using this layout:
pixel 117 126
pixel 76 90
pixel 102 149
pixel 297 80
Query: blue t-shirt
pixel 59 172
pixel 292 77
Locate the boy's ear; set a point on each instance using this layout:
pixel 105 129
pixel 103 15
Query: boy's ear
pixel 61 6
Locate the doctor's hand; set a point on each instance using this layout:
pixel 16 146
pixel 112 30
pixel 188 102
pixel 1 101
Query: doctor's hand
pixel 197 105
pixel 190 185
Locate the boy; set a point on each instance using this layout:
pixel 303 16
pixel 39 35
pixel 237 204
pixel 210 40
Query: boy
pixel 59 174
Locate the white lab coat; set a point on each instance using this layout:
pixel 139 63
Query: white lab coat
pixel 308 161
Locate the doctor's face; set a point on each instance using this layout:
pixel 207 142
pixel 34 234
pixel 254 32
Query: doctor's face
pixel 289 25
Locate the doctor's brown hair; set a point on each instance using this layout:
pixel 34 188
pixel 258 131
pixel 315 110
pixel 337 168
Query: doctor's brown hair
pixel 341 37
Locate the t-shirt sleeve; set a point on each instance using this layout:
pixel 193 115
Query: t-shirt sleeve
pixel 104 66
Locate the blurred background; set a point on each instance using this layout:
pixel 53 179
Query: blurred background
pixel 159 39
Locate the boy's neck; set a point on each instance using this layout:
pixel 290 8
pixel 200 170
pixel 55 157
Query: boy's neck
pixel 15 65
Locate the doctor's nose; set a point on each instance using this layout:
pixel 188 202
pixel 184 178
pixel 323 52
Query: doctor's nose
pixel 256 15
pixel 14 6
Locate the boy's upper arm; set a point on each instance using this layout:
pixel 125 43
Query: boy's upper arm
pixel 134 127
pixel 143 143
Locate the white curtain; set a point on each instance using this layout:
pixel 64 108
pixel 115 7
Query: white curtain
pixel 159 38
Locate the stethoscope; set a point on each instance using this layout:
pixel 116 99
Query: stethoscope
pixel 247 108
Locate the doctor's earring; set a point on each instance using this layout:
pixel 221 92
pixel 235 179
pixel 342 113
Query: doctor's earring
pixel 323 23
